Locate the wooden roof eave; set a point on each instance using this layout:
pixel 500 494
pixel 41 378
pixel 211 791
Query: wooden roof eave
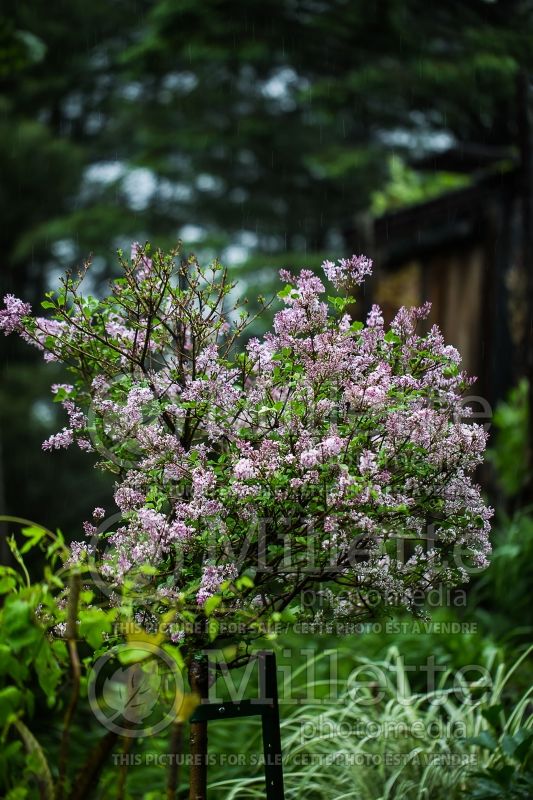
pixel 443 220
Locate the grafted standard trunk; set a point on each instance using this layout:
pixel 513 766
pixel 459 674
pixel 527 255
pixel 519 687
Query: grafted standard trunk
pixel 199 683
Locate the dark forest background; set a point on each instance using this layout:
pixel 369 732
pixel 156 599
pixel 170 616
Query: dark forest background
pixel 256 131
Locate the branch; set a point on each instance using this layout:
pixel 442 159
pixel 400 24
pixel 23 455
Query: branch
pixel 33 748
pixel 87 778
pixel 175 751
pixel 71 636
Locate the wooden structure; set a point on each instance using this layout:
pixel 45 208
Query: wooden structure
pixel 462 251
pixel 266 707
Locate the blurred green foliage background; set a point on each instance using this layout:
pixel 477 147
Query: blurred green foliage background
pixel 254 131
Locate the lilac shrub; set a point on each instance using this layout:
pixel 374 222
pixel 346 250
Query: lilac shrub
pixel 328 458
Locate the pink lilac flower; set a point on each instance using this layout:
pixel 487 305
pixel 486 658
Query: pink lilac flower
pixel 11 316
pixel 347 270
pixel 153 523
pixel 176 634
pixel 138 398
pixel 76 416
pixel 260 352
pixel 212 577
pixel 244 469
pixel 50 327
pixel 66 387
pixel 305 312
pixel 144 264
pixel 344 323
pixel 207 360
pixel 406 319
pixel 78 552
pixel 367 462
pixel 116 329
pixel 128 498
pixel 59 440
pixel 310 458
pixel 375 317
pixel 89 529
pixel 179 531
pixel 203 480
pixel 332 445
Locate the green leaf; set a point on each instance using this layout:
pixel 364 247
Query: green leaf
pixel 5 658
pixel 148 569
pixel 286 291
pixel 451 372
pixel 133 655
pixel 16 553
pixel 485 739
pixel 34 534
pixel 94 624
pixel 10 665
pixel 7 583
pixel 10 702
pixel 524 748
pixel 493 715
pixel 174 652
pixel 48 671
pixel 9 755
pixel 213 626
pixel 519 744
pixel 244 582
pixel 392 337
pixel 211 604
pixel 340 303
pixel 18 625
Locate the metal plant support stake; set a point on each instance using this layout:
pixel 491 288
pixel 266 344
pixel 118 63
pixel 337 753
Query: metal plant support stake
pixel 265 706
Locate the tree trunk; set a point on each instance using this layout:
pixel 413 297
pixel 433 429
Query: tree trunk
pixel 199 683
pixel 176 752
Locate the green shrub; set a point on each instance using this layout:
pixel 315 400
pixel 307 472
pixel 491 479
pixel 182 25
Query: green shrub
pixel 407 746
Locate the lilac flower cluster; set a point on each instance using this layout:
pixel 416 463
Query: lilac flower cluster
pixel 12 315
pixel 143 263
pixel 212 577
pixel 347 271
pixel 351 438
pixel 59 440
